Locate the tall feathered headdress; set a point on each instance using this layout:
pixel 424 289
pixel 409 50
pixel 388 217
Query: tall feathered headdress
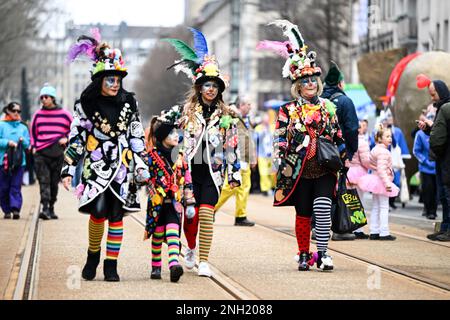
pixel 299 63
pixel 196 63
pixel 106 60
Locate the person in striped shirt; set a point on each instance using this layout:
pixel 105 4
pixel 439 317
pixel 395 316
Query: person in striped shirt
pixel 50 129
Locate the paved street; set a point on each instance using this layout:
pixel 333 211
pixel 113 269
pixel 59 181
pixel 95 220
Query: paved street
pixel 249 263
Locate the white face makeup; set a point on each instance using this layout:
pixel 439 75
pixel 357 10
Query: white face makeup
pixel 209 91
pixel 111 85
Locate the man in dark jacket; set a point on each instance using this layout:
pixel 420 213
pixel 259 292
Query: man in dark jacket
pixel 439 131
pixel 348 120
pixel 346 112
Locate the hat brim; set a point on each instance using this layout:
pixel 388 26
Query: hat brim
pixel 204 79
pixel 106 73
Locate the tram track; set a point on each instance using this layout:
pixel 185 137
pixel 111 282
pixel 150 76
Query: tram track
pixel 393 270
pixel 24 274
pixel 226 283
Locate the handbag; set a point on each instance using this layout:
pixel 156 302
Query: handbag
pixel 328 154
pixel 13 158
pixel 347 213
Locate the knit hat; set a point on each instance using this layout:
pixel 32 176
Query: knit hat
pixel 107 61
pixel 48 90
pixel 299 63
pixel 334 75
pixel 198 64
pixel 169 120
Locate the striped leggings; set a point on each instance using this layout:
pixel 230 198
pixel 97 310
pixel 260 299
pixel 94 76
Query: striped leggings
pixel 314 196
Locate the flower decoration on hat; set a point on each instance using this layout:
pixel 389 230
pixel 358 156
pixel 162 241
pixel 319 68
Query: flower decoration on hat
pixel 198 64
pixel 171 116
pixel 107 61
pixel 299 63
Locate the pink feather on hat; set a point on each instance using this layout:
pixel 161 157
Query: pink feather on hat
pixel 423 81
pixel 278 47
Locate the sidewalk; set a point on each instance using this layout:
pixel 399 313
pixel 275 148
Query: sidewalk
pixel 12 239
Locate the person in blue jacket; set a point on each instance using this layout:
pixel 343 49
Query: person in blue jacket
pixel 427 169
pixel 14 137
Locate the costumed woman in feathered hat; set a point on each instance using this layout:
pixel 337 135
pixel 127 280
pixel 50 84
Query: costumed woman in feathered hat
pixel 303 126
pixel 210 142
pixel 107 133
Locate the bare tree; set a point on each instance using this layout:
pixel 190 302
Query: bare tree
pixel 157 87
pixel 19 22
pixel 324 24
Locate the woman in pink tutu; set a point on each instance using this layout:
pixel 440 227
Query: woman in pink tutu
pixel 380 184
pixel 359 167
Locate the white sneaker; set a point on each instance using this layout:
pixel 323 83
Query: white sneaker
pixel 203 270
pixel 189 258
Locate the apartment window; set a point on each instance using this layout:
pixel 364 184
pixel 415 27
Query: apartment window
pixel 437 44
pixel 445 36
pixel 269 68
pixel 268 5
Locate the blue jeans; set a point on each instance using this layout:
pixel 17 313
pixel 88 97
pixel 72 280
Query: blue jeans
pixel 11 190
pixel 444 197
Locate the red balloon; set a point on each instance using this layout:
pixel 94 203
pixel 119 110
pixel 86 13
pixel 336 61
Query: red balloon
pixel 423 81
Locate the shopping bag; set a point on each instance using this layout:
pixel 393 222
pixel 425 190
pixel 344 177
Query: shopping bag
pixel 404 192
pixel 348 212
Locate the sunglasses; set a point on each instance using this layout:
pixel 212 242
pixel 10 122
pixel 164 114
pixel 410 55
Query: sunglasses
pixel 45 97
pixel 304 82
pixel 15 111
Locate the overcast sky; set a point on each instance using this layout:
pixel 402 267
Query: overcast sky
pixel 133 12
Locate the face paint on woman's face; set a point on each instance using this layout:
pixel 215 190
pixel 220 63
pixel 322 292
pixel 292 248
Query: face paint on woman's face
pixel 210 90
pixel 111 85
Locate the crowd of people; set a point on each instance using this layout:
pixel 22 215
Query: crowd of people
pixel 194 157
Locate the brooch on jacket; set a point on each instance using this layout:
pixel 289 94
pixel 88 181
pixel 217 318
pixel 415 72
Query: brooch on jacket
pixel 121 126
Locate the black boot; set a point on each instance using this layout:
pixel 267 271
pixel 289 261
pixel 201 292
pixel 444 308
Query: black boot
pixel 303 263
pixel 44 214
pixel 90 268
pixel 156 273
pixel 7 215
pixel 51 212
pixel 110 270
pixel 176 272
pixel 244 222
pixel 16 215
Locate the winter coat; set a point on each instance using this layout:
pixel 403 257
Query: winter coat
pixel 13 131
pixel 220 133
pixel 290 134
pixel 362 157
pixel 112 154
pixel 440 139
pixel 421 151
pixel 347 117
pixel 178 188
pixel 381 163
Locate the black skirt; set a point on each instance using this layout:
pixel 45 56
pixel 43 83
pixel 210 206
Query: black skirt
pixel 105 205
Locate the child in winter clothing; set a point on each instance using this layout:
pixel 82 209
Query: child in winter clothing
pixel 380 184
pixel 359 167
pixel 169 190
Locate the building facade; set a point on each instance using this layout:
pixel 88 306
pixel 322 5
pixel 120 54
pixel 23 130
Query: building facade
pixel 49 65
pixel 417 25
pixel 233 29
